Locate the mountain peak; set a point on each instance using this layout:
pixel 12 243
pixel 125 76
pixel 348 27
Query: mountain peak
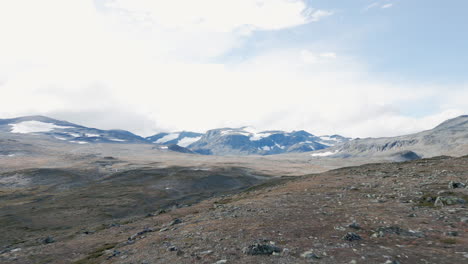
pixel 460 121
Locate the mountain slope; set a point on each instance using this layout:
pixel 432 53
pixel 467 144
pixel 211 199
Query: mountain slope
pixel 66 131
pixel 448 138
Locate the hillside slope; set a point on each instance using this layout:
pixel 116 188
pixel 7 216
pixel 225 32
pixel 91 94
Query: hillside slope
pixel 66 131
pixel 448 138
pixel 411 212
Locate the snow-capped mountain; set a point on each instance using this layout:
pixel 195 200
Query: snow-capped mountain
pixel 247 141
pixel 183 139
pixel 223 141
pixel 66 131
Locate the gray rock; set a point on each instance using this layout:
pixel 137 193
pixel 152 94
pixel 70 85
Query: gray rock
pixel 354 225
pixel 261 249
pixel 172 248
pixel 136 235
pixel 207 252
pixel 448 200
pixel 452 233
pixel 455 185
pixel 310 255
pixel 352 237
pixel 396 230
pixel 48 240
pixel 392 262
pixel 175 222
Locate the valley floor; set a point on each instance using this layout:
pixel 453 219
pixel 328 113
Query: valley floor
pixel 376 213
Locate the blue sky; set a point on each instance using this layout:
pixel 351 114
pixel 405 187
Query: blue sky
pixel 424 41
pixel 358 68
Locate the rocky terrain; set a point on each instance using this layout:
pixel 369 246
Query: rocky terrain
pixel 448 138
pixel 410 212
pixel 131 201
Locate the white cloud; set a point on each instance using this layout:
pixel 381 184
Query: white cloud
pixel 147 66
pixel 370 6
pixel 387 6
pixel 378 4
pixel 310 57
pixel 329 55
pixel 220 15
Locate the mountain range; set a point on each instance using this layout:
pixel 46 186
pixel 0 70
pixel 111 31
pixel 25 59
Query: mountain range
pixel 247 141
pixel 72 194
pixel 222 141
pixel 448 138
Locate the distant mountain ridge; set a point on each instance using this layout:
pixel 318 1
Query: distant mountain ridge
pixel 66 131
pixel 448 138
pixel 246 141
pixel 222 141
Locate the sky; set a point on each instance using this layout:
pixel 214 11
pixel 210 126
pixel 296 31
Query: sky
pixel 359 68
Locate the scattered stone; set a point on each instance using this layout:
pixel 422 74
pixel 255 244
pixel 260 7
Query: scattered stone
pixel 222 261
pixel 115 253
pixel 48 240
pixel 464 219
pixel 175 222
pixel 136 235
pixel 352 237
pixel 160 211
pixel 448 200
pixel 455 185
pixel 172 248
pixel 208 252
pixel 452 233
pixel 354 225
pixel 310 255
pixel 392 262
pixel 396 230
pixel 412 215
pixel 261 249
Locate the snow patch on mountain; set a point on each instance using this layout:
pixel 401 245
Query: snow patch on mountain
pixel 259 136
pixel 324 154
pixel 79 142
pixel 34 127
pixel 92 135
pixel 235 132
pixel 167 138
pixel 186 141
pixel 117 140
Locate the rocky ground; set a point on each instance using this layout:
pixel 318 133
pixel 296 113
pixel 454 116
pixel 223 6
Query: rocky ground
pixel 411 212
